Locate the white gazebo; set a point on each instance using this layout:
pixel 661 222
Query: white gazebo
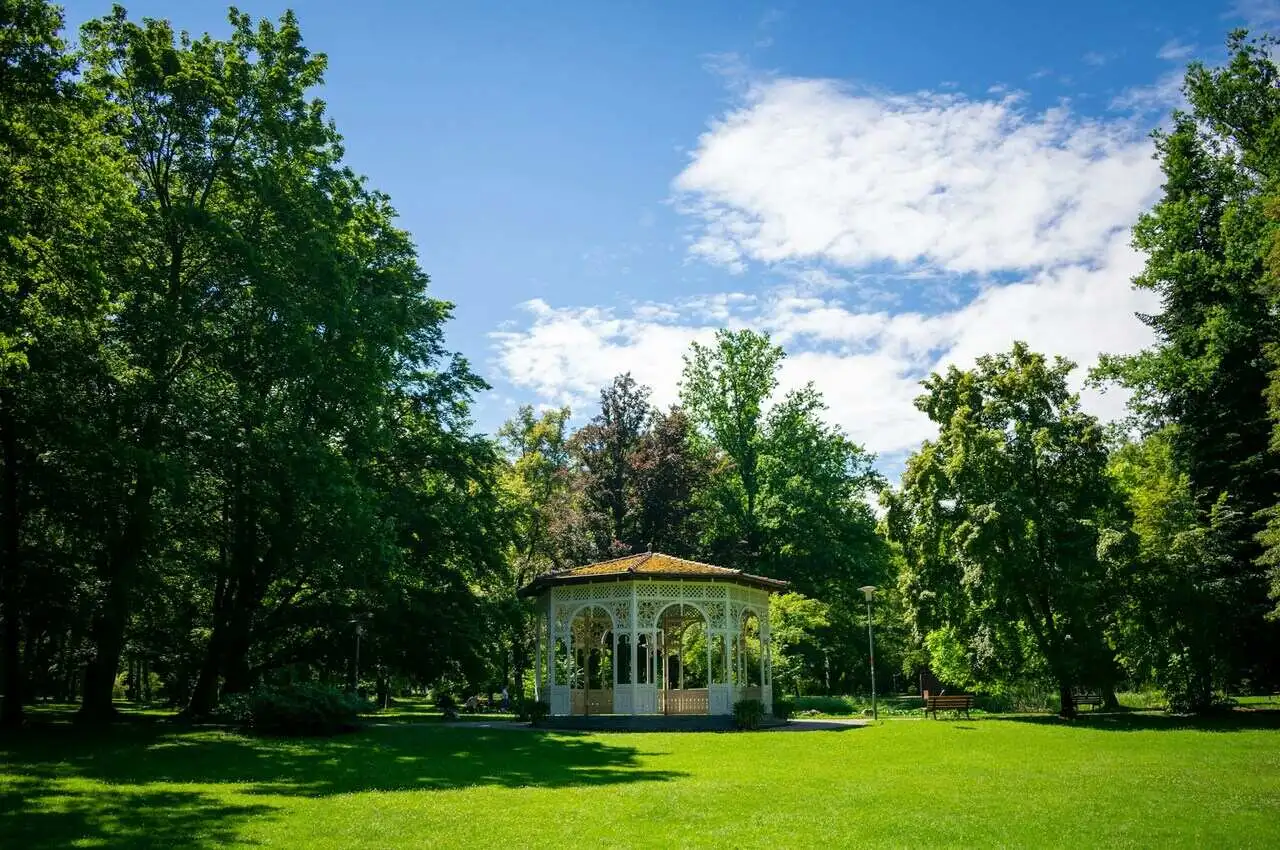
pixel 652 634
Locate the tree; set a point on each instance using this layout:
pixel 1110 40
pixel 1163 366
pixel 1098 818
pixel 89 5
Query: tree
pixel 671 468
pixel 1207 241
pixel 996 519
pixel 62 194
pixel 605 449
pixel 544 502
pixel 819 531
pixel 795 623
pixel 1167 621
pixel 724 389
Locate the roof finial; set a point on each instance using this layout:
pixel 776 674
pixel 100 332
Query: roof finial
pixel 650 545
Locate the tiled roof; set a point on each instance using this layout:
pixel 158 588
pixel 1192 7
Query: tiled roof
pixel 648 565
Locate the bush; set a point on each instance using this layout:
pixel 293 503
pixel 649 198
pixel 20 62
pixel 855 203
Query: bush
pixel 857 706
pixel 747 713
pixel 828 705
pixel 532 711
pixel 301 709
pixel 783 709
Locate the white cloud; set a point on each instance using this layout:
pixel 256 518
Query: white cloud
pixel 1162 96
pixel 1174 50
pixel 1095 58
pixel 1018 222
pixel 809 170
pixel 1258 14
pixel 867 364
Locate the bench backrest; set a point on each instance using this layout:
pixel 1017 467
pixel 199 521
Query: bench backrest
pixel 949 700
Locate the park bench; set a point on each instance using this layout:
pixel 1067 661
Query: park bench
pixel 947 702
pixel 1086 698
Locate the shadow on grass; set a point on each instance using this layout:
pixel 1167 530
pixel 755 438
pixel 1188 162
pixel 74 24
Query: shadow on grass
pixel 1145 721
pixel 39 814
pixel 44 801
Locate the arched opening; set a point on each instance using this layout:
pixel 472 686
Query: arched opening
pixel 749 671
pixel 684 658
pixel 591 662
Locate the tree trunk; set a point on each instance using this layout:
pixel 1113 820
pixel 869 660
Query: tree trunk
pixel 204 697
pixel 1110 701
pixel 13 685
pixel 1068 705
pixel 120 566
pixel 109 622
pixel 100 672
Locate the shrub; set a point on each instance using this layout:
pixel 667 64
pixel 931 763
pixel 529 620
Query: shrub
pixel 747 713
pixel 532 711
pixel 783 709
pixel 828 705
pixel 301 709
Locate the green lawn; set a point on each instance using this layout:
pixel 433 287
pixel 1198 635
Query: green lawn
pixel 1110 780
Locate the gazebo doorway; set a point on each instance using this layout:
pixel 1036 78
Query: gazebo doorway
pixel 685 659
pixel 748 660
pixel 590 668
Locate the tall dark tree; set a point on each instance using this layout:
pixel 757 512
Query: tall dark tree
pixel 1205 381
pixel 62 196
pixel 605 449
pixel 671 468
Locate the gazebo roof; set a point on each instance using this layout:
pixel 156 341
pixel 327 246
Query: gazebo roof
pixel 648 565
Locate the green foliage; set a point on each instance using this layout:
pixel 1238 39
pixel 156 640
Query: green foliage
pixel 672 471
pixel 605 449
pixel 724 388
pixel 795 624
pixel 747 714
pixel 783 709
pixel 1167 621
pixel 828 704
pixel 532 711
pixel 1208 385
pixel 252 432
pixel 998 523
pixel 788 499
pixel 299 709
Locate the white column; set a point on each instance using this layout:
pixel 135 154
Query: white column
pixel 553 640
pixel 633 640
pixel 764 654
pixel 711 637
pixel 537 658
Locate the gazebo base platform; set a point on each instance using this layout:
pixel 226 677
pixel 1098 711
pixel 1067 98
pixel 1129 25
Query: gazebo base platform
pixel 650 722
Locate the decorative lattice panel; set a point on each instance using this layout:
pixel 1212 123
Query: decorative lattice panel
pixel 647 613
pixel 713 591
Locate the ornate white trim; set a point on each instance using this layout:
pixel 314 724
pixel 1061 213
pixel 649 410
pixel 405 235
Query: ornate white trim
pixel 634 607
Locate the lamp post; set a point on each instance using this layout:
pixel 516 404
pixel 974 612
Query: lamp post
pixel 359 631
pixel 869 592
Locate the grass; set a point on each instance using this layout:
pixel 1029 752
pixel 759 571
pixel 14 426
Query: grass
pixel 1132 779
pixel 422 710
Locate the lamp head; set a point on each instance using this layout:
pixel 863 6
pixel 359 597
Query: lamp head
pixel 868 591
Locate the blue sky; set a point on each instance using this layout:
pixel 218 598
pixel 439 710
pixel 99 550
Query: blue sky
pixel 885 188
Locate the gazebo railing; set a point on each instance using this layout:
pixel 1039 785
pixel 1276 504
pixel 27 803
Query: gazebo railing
pixel 749 692
pixel 688 701
pixel 599 700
